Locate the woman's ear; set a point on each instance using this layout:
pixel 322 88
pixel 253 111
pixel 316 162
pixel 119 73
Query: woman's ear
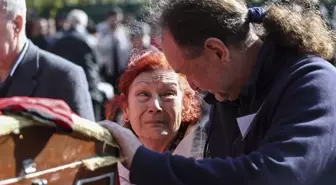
pixel 124 106
pixel 126 117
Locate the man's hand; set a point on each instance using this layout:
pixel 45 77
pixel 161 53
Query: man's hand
pixel 128 142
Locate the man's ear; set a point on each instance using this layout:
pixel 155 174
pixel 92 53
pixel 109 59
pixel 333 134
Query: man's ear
pixel 216 48
pixel 18 23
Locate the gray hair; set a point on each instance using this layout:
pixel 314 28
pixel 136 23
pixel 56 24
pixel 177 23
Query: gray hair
pixel 13 7
pixel 77 17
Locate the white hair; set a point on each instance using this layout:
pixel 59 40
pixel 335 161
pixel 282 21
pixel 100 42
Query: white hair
pixel 78 17
pixel 14 7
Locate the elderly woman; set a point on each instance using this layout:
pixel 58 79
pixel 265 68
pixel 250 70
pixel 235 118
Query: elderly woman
pixel 159 106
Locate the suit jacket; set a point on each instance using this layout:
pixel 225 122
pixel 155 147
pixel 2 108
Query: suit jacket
pixel 75 47
pixel 290 141
pixel 42 74
pixel 119 48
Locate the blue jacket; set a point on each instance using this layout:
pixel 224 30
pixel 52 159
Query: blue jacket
pixel 291 140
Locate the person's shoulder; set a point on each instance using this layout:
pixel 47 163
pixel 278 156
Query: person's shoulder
pixel 313 78
pixel 71 37
pixel 54 67
pixel 54 63
pixel 318 62
pixel 310 66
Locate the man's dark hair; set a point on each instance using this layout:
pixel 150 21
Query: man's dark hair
pixel 114 12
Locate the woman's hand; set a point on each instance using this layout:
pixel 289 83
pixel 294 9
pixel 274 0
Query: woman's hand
pixel 128 142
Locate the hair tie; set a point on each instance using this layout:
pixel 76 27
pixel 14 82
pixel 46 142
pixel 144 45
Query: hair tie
pixel 256 15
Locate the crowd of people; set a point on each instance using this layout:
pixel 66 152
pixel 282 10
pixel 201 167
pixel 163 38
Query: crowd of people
pixel 102 50
pixel 212 99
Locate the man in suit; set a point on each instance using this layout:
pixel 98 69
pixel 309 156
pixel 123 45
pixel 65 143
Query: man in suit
pixel 114 46
pixel 78 46
pixel 26 70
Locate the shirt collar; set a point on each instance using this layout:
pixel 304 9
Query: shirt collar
pixel 20 58
pixel 80 29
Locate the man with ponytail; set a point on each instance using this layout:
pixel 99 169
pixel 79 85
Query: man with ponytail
pixel 273 95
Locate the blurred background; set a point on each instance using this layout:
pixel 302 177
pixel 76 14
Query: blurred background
pixel 97 9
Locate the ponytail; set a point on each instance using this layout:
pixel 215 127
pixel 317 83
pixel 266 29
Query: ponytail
pixel 301 28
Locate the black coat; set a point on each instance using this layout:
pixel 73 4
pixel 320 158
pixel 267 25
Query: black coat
pixel 74 46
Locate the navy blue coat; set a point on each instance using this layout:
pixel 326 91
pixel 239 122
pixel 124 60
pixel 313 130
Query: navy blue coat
pixel 291 140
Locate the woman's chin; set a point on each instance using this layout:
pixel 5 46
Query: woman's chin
pixel 159 133
pixel 156 133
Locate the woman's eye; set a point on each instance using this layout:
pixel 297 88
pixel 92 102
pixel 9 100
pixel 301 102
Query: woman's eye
pixel 143 94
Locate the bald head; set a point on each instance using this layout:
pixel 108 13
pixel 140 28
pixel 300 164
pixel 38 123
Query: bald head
pixel 78 17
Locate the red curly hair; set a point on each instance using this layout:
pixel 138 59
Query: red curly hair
pixel 150 61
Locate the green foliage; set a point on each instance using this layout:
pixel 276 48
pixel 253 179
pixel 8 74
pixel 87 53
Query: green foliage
pixel 49 8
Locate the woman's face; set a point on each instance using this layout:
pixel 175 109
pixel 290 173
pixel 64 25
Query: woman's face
pixel 154 106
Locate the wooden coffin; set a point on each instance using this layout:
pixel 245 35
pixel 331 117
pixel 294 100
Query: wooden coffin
pixel 36 154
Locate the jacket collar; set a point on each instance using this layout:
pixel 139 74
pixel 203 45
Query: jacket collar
pixel 270 60
pixel 24 78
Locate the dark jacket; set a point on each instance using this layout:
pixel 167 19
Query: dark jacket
pixel 43 42
pixel 291 140
pixel 75 47
pixel 42 74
